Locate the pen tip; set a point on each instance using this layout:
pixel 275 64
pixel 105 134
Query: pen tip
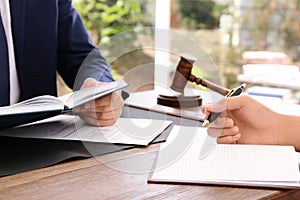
pixel 205 123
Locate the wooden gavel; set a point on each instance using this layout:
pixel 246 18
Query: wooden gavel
pixel 184 74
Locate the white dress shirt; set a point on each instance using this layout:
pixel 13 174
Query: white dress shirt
pixel 13 76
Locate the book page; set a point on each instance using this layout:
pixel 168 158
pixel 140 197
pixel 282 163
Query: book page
pixel 225 162
pixel 36 104
pixel 85 95
pixel 68 127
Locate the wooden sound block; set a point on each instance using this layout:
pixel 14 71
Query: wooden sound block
pixel 179 101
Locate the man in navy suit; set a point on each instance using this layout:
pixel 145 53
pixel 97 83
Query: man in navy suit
pixel 48 37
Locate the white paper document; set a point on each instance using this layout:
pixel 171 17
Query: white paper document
pixel 67 127
pixel 179 160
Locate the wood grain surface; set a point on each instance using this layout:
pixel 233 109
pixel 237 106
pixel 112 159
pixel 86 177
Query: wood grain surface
pixel 121 175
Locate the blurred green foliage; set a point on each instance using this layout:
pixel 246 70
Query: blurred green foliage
pixel 106 18
pixel 199 13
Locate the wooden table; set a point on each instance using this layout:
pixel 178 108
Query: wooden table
pixel 120 175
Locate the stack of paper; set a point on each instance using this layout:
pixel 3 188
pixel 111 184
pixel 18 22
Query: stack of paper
pixel 179 160
pixel 67 127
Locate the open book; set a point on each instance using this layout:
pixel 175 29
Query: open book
pixel 46 106
pixel 179 161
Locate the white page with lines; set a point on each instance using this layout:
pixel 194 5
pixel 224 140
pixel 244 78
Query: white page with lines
pixel 233 163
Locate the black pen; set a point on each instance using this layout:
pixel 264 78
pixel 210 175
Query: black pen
pixel 213 115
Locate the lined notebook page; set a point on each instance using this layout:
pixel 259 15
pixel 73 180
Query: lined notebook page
pixel 253 163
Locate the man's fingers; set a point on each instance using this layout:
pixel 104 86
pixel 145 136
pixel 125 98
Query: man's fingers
pixel 92 107
pixel 114 100
pixel 89 82
pixel 95 122
pixel 96 118
pixel 104 104
pixel 103 111
pixel 102 115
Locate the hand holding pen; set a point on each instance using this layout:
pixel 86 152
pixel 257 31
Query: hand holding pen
pixel 213 115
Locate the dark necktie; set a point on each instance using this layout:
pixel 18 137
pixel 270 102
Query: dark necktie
pixel 4 68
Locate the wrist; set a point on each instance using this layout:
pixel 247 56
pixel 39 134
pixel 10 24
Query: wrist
pixel 289 130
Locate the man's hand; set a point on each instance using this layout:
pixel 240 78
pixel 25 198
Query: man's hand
pixel 103 111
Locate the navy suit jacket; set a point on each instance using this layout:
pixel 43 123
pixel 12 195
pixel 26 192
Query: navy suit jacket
pixel 49 37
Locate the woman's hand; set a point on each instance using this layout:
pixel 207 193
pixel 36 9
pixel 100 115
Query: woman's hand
pixel 244 120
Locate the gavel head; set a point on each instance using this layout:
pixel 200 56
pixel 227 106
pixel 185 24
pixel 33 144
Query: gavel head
pixel 183 72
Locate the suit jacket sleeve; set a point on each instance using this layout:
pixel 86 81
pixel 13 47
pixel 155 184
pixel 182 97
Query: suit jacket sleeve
pixel 78 58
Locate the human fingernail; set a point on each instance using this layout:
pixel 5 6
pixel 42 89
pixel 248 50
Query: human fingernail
pixel 237 136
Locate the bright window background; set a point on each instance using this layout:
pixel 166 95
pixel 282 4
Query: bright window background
pixel 225 29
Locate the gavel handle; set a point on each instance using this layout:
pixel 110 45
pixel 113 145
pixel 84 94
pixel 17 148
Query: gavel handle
pixel 208 84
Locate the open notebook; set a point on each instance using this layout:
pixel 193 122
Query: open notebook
pixel 46 106
pixel 179 161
